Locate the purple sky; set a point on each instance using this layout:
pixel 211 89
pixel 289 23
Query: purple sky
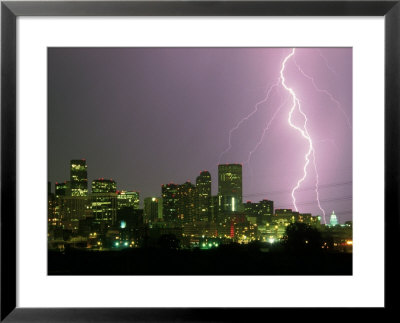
pixel 148 116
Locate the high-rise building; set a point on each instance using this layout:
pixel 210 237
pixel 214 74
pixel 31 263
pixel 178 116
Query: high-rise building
pixel 160 207
pixel 74 208
pixel 151 209
pixel 128 199
pixel 251 211
pixel 61 189
pixel 102 185
pixel 69 209
pixel 203 188
pixel 60 194
pixel 230 187
pixel 265 211
pixel 79 181
pixel 214 209
pixel 186 205
pixel 169 193
pixel 51 205
pixel 104 200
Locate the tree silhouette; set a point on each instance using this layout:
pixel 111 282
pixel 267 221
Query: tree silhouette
pixel 301 237
pixel 168 241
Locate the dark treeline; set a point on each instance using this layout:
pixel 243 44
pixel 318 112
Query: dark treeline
pixel 234 259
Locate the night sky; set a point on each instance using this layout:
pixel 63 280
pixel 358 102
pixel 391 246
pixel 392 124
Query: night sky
pixel 149 116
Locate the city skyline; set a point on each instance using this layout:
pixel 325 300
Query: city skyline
pixel 202 192
pixel 131 111
pixel 186 221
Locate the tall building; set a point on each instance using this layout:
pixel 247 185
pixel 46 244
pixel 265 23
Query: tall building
pixel 203 187
pixel 128 199
pixel 186 205
pixel 79 181
pixel 169 193
pixel 73 208
pixel 104 200
pixel 70 209
pixel 51 205
pixel 60 194
pixel 151 209
pixel 160 207
pixel 230 187
pixel 265 211
pixel 251 211
pixel 102 185
pixel 61 189
pixel 214 209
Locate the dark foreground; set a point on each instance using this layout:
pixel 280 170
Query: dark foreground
pixel 220 261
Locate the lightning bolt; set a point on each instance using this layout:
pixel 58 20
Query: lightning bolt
pixel 317 187
pixel 309 157
pixel 266 128
pixel 326 62
pixel 326 92
pixel 247 118
pixel 304 133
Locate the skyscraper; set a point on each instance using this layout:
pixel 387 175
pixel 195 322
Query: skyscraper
pixel 262 211
pixel 104 200
pixel 214 209
pixel 61 189
pixel 151 209
pixel 102 185
pixel 169 194
pixel 128 199
pixel 203 203
pixel 186 205
pixel 79 184
pixel 230 187
pixel 51 204
pixel 265 211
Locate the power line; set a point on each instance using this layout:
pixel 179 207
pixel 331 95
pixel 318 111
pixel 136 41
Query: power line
pixel 346 198
pixel 300 190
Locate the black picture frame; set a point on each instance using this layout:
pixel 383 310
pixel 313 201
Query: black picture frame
pixel 10 10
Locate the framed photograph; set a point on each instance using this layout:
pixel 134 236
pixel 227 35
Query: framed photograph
pixel 189 155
